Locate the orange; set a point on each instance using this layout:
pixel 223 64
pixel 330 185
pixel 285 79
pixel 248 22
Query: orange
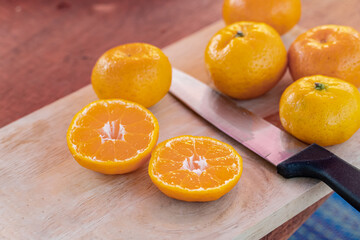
pixel 329 50
pixel 197 169
pixel 322 110
pixel 280 14
pixel 137 72
pixel 245 59
pixel 112 136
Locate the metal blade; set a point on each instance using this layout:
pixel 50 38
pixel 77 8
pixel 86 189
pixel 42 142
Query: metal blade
pixel 253 132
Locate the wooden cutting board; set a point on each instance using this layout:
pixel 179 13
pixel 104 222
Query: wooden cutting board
pixel 45 194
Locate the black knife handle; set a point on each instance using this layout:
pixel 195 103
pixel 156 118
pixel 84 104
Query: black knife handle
pixel 317 162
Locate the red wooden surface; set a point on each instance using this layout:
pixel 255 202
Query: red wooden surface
pixel 48 48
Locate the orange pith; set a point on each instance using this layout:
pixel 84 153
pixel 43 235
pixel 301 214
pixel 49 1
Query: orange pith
pixel 112 136
pixel 195 168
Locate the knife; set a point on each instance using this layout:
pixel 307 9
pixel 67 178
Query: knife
pixel 291 157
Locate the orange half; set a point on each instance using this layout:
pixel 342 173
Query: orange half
pixel 192 168
pixel 112 136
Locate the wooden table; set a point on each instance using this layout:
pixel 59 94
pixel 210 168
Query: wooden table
pixel 48 48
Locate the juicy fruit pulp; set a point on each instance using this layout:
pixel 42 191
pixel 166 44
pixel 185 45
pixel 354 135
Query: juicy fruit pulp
pixel 195 168
pixel 112 136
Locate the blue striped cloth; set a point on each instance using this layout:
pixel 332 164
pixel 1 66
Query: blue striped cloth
pixel 335 219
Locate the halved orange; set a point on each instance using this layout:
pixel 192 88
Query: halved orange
pixel 112 136
pixel 193 168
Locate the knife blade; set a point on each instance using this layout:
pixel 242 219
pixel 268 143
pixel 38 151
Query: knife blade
pixel 291 157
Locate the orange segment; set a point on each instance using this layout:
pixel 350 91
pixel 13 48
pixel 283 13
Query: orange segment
pixel 112 136
pixel 130 116
pixel 137 140
pixel 174 177
pixel 202 147
pixel 195 168
pixel 88 147
pixel 100 112
pixel 88 121
pixel 140 127
pixel 207 181
pixel 217 152
pixel 222 161
pixel 191 181
pixel 169 153
pixel 124 150
pixel 106 151
pixel 184 148
pixel 85 134
pixel 222 173
pixel 165 166
pixel 116 112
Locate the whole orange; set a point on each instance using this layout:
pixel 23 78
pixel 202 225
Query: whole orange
pixel 245 59
pixel 280 14
pixel 329 50
pixel 137 72
pixel 320 109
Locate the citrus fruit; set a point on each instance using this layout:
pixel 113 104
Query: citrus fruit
pixel 112 136
pixel 137 72
pixel 280 14
pixel 322 110
pixel 329 50
pixel 192 168
pixel 245 59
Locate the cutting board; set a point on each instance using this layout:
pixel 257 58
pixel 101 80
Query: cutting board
pixel 45 194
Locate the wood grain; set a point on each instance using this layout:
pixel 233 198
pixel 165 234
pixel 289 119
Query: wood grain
pixel 49 47
pixel 60 199
pixel 286 230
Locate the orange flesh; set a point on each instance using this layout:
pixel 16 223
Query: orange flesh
pixel 113 132
pixel 195 164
